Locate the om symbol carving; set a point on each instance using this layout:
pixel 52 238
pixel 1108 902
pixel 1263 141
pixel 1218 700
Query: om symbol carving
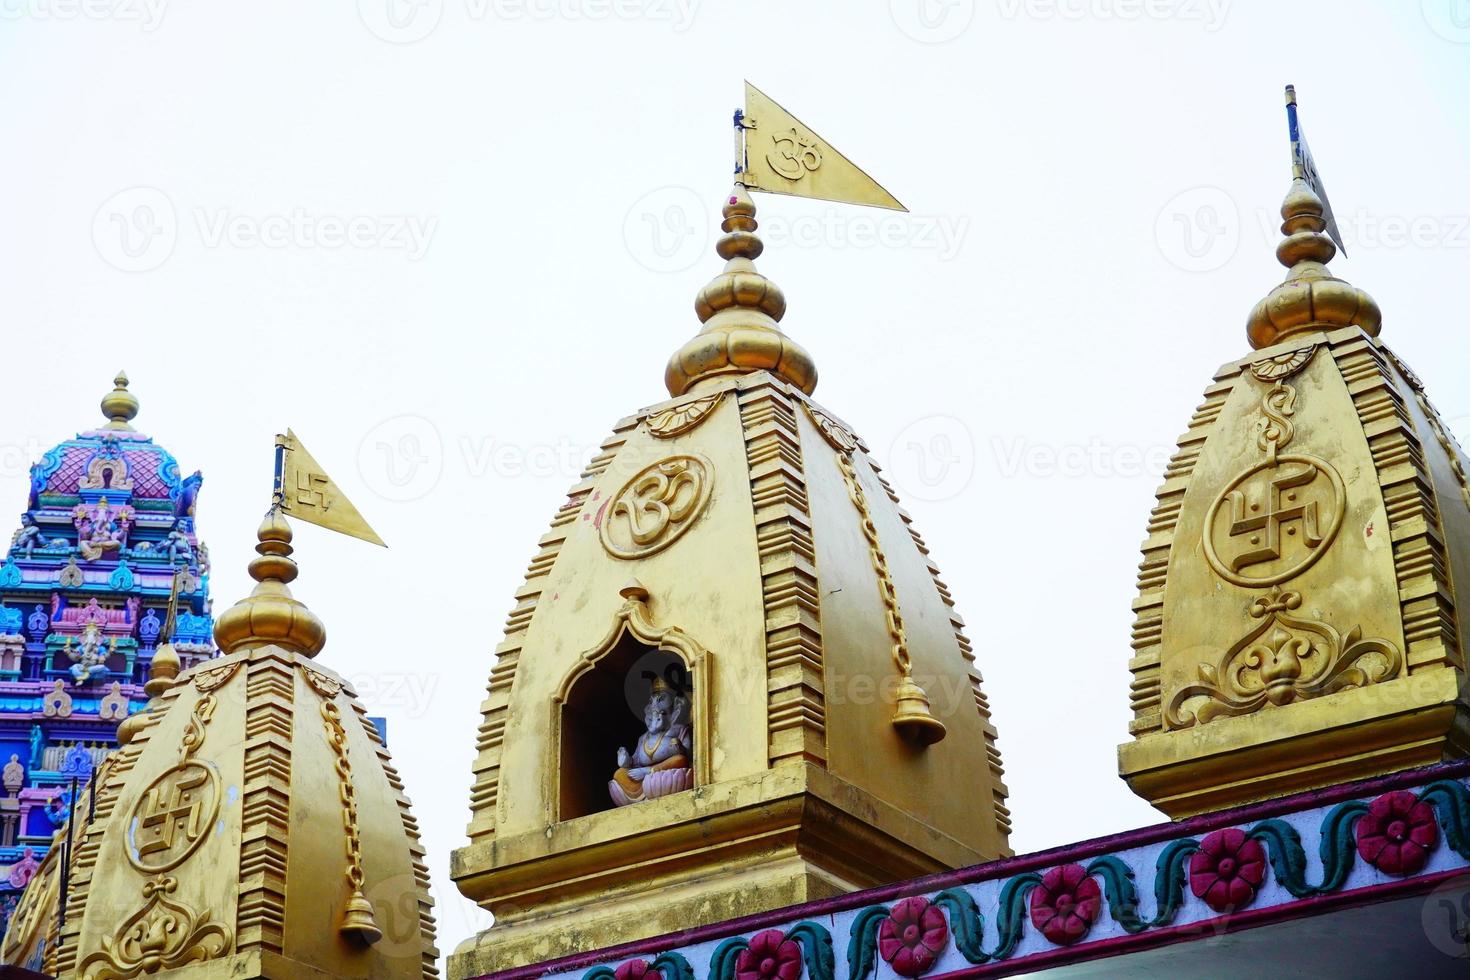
pixel 174 815
pixel 656 506
pixel 793 155
pixel 1274 520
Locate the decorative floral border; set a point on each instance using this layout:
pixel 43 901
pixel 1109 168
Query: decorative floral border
pixel 1391 835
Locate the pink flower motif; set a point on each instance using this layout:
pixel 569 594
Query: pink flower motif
pixel 770 956
pixel 912 937
pixel 1227 869
pixel 1397 833
pixel 1065 905
pixel 637 970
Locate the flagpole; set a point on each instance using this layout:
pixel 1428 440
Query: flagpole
pixel 278 492
pixel 742 161
pixel 1293 131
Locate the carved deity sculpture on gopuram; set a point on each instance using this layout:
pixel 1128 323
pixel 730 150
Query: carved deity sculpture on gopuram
pixel 733 680
pixel 1297 619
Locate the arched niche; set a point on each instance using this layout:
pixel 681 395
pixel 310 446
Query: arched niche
pixel 599 706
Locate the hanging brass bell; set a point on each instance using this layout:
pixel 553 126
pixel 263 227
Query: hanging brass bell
pixel 358 922
pixel 912 717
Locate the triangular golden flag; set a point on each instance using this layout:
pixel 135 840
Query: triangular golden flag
pixel 309 494
pixel 782 155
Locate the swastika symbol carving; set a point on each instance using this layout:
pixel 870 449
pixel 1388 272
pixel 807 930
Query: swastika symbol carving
pixel 1274 520
pixel 173 817
pixel 309 490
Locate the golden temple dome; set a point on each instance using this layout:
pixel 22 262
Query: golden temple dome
pixel 740 309
pixel 251 824
pixel 1311 298
pixel 732 594
pixel 1297 619
pixel 120 406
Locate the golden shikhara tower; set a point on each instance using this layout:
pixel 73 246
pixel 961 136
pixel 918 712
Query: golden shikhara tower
pixel 251 825
pixel 735 550
pixel 1297 614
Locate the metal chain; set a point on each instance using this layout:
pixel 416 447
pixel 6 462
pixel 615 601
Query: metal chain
pixel 886 589
pixel 337 737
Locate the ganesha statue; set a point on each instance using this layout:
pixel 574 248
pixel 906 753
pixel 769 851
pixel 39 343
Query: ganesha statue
pixel 661 761
pixel 102 532
pixel 88 660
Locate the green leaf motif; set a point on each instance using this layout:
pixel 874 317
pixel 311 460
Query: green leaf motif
pixel 1169 880
pixel 1010 919
pixel 1339 847
pixel 672 966
pixel 816 948
pixel 1451 803
pixel 722 963
pixel 1122 896
pixel 965 921
pixel 862 944
pixel 1288 860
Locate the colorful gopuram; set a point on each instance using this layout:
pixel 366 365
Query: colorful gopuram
pixel 84 602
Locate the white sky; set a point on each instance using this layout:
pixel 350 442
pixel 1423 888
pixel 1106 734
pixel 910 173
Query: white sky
pixel 1042 300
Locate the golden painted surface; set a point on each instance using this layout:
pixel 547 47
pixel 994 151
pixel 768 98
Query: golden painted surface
pixel 797 614
pixel 1296 622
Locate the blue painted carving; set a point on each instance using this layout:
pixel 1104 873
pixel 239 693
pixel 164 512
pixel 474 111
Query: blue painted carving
pixel 42 472
pixel 121 578
pixel 193 629
pixel 188 494
pixel 58 809
pixel 38 623
pixel 9 621
pixel 148 628
pixel 168 472
pixel 77 762
pixel 9 574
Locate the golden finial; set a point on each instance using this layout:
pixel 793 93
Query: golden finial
pixel 740 309
pixel 120 406
pixel 270 614
pixel 1311 298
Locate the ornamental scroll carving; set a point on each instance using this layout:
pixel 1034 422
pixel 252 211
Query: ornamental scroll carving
pixel 163 934
pixel 832 430
pixel 657 506
pixel 678 419
pixel 1283 659
pixel 1274 520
